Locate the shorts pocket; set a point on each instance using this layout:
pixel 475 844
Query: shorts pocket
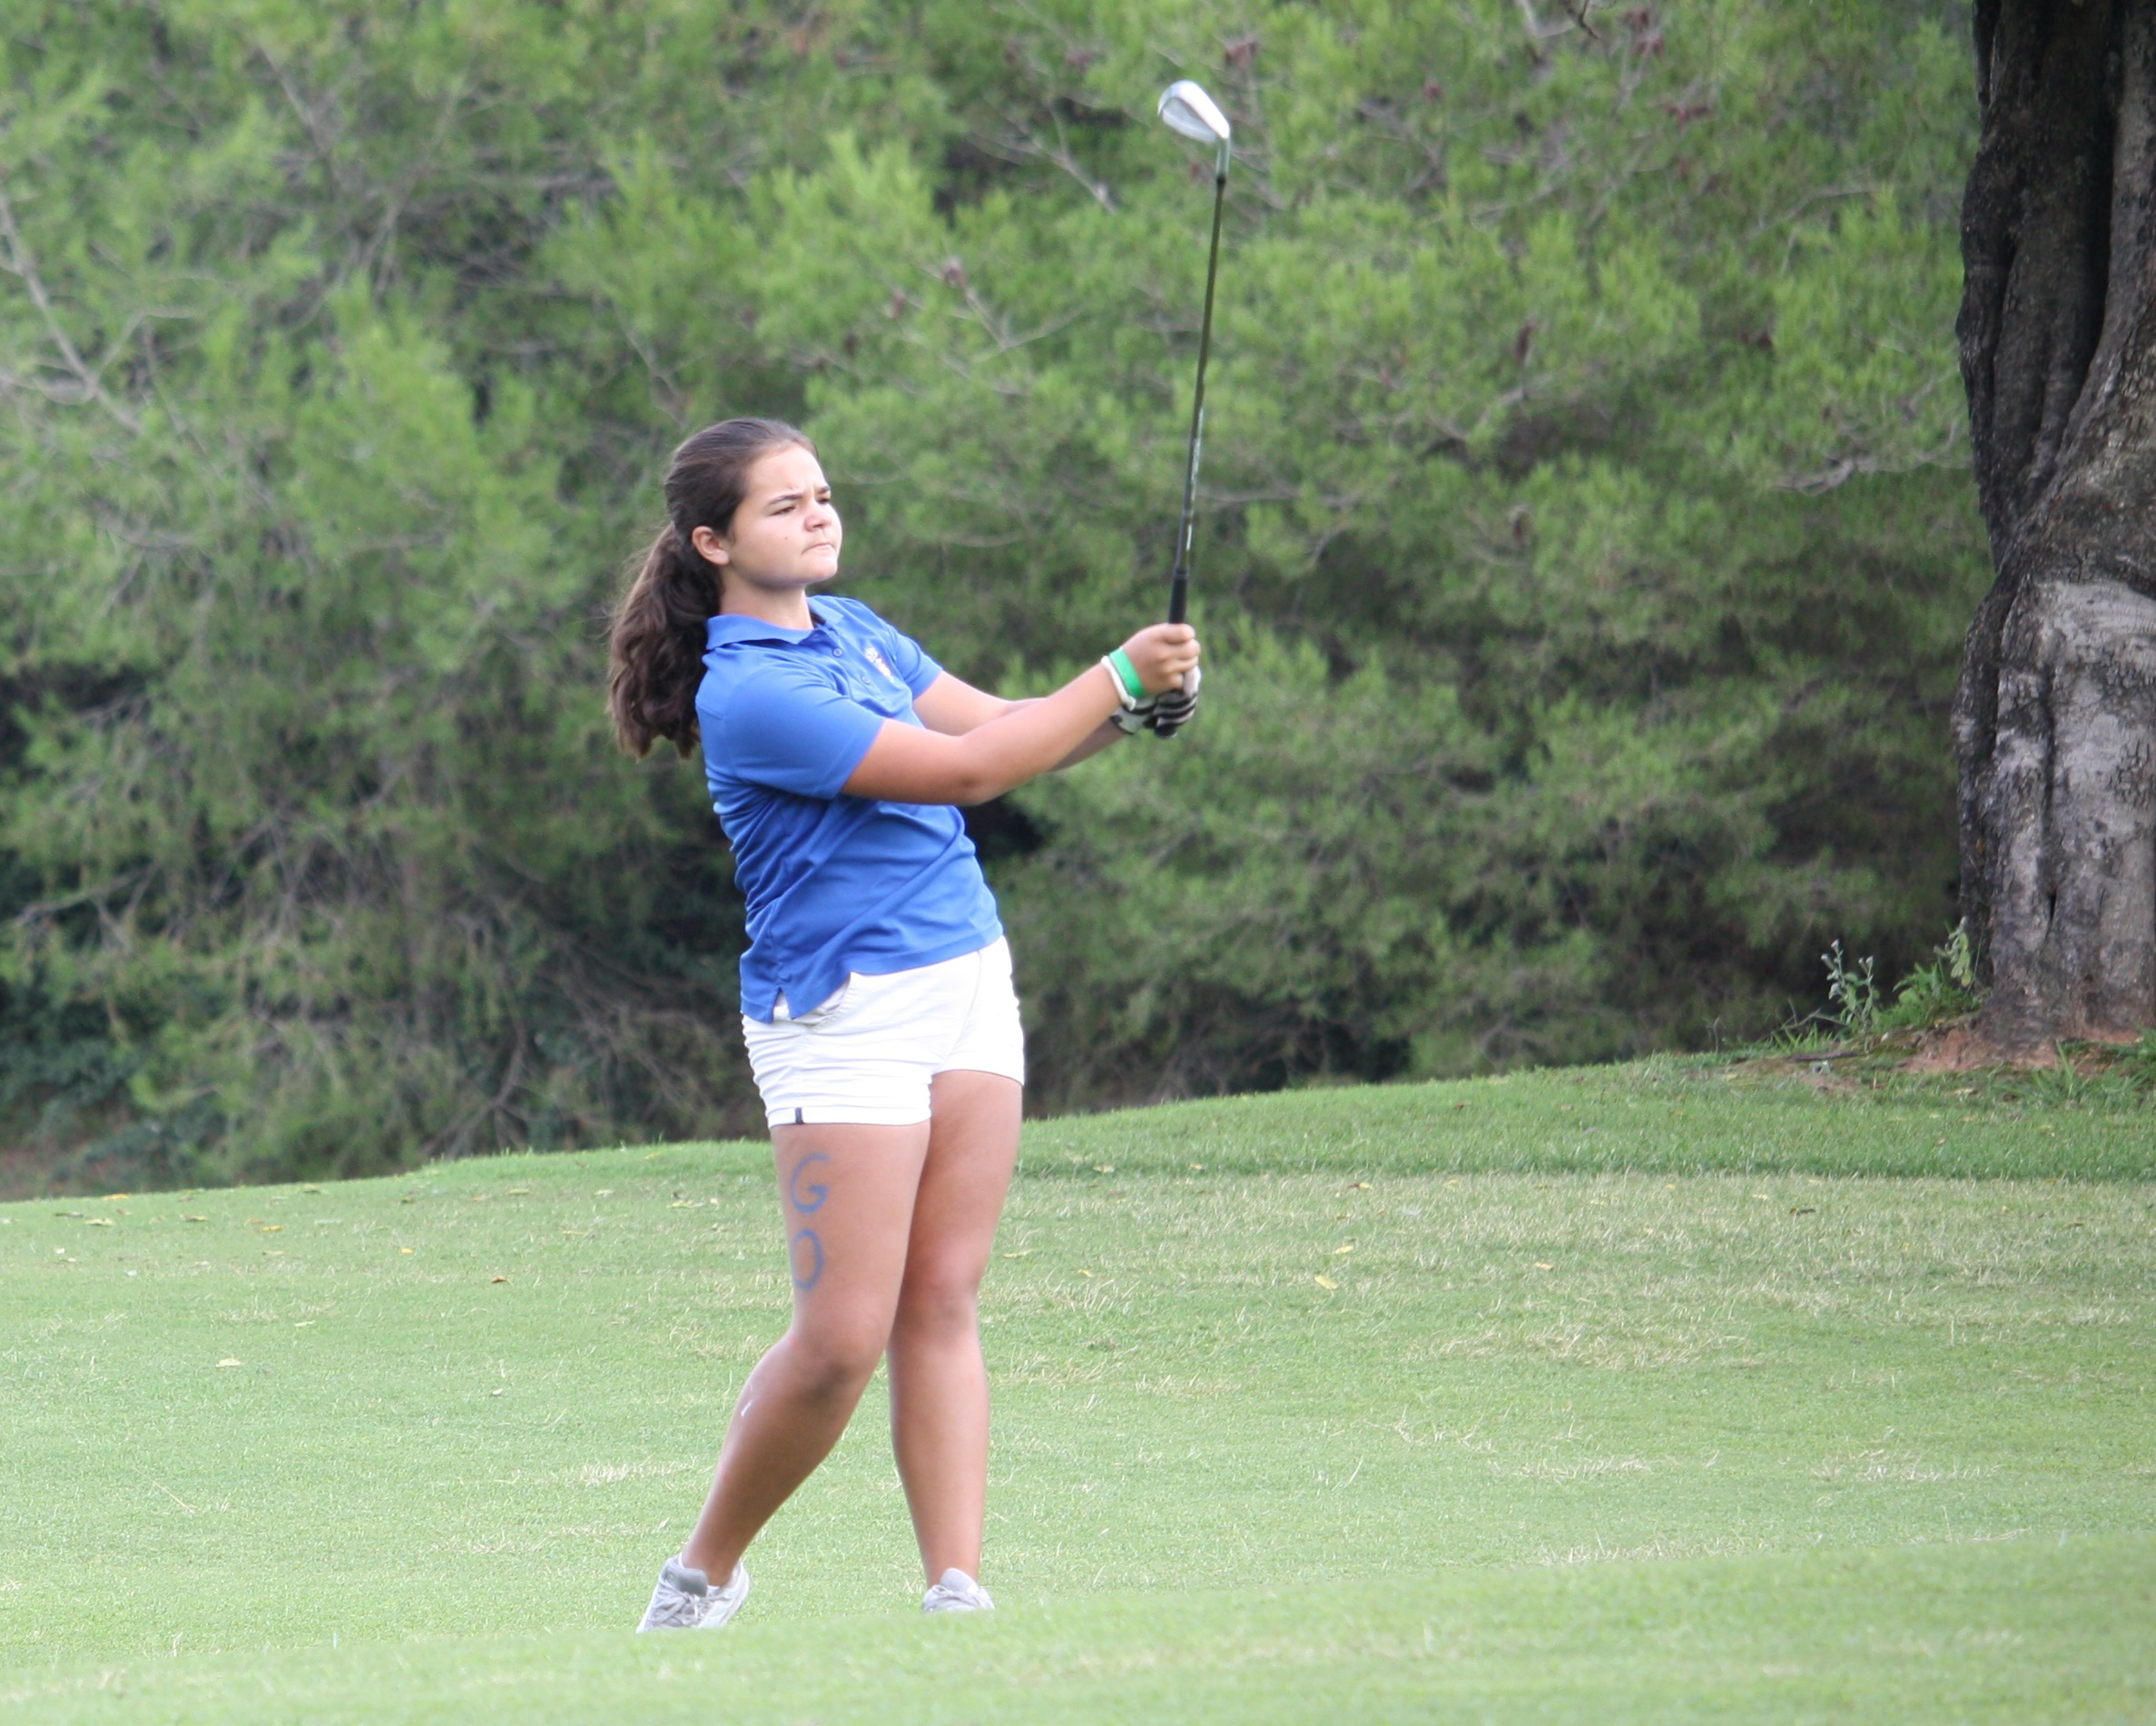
pixel 825 1011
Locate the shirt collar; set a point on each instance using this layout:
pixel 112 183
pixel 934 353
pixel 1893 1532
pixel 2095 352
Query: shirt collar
pixel 726 627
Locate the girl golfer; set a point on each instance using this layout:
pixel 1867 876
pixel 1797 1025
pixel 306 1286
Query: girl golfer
pixel 876 991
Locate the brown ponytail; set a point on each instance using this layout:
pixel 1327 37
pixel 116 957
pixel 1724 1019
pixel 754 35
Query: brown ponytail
pixel 656 649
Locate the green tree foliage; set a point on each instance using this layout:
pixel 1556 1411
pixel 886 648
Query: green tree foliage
pixel 1585 551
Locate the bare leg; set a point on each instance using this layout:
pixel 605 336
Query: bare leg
pixel 849 1200
pixel 939 1386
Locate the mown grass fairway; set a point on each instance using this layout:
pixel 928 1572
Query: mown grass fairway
pixel 1643 1392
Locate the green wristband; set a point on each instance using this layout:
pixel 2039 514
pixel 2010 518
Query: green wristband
pixel 1119 663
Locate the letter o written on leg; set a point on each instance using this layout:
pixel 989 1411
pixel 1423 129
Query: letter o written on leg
pixel 805 1258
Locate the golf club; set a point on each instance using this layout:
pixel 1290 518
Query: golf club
pixel 1189 110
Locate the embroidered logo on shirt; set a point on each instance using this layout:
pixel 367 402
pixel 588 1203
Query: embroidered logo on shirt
pixel 874 656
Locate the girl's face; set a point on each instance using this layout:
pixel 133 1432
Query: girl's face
pixel 785 535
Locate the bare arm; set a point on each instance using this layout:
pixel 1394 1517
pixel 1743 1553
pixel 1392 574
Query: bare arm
pixel 1019 741
pixel 1101 736
pixel 954 707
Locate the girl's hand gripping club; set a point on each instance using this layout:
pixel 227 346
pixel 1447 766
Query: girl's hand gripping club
pixel 1189 110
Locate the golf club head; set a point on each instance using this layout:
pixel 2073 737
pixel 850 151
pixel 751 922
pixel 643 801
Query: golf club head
pixel 1189 110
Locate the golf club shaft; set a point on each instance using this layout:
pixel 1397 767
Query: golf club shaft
pixel 1178 592
pixel 1178 587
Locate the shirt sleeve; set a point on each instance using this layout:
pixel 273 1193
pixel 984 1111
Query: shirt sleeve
pixel 916 670
pixel 790 730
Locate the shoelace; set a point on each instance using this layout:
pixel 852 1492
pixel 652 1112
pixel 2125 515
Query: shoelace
pixel 674 1606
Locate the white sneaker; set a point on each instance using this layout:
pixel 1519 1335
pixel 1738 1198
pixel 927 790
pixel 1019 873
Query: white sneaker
pixel 957 1593
pixel 685 1599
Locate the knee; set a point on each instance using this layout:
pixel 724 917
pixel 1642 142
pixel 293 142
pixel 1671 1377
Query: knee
pixel 833 1362
pixel 934 1308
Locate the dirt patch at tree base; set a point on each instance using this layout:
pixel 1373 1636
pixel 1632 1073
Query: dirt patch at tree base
pixel 1965 1047
pixel 1959 1049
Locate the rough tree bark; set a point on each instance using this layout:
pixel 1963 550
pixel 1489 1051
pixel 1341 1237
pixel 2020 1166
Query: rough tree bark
pixel 2055 717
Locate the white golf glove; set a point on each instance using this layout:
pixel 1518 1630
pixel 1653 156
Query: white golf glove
pixel 1174 710
pixel 1130 721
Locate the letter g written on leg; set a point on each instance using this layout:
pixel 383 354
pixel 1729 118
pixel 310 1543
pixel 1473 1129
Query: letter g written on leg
pixel 804 1194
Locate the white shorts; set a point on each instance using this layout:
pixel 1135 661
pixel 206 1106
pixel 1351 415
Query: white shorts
pixel 865 1057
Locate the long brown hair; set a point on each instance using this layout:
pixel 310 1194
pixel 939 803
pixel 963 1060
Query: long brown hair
pixel 656 648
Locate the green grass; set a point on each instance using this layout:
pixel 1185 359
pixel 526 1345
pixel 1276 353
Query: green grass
pixel 1660 1391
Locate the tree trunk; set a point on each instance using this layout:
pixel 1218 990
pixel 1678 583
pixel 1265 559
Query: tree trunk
pixel 2054 720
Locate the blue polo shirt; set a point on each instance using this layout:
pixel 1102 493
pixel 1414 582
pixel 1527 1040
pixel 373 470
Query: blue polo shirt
pixel 835 883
